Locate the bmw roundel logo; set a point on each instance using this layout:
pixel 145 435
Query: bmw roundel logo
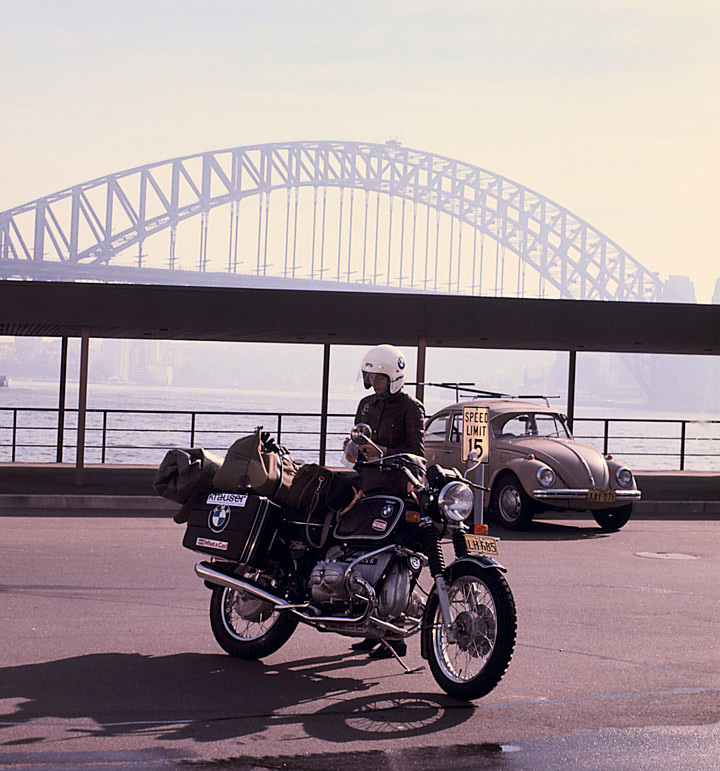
pixel 218 518
pixel 401 363
pixel 387 510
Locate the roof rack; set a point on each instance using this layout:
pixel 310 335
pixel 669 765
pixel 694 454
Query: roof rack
pixel 470 389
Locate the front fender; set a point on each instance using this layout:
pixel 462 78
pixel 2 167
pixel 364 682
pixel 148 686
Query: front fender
pixel 449 575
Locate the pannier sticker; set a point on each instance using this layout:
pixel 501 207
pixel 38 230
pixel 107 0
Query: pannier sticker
pixel 209 543
pixel 218 518
pixel 379 525
pixel 229 499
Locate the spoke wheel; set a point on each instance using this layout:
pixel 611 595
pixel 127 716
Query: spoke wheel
pixel 470 663
pixel 247 627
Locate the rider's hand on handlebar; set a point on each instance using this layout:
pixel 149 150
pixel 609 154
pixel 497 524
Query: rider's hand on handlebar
pixel 369 452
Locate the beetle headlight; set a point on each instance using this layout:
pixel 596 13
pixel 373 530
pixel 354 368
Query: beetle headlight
pixel 456 501
pixel 624 476
pixel 546 476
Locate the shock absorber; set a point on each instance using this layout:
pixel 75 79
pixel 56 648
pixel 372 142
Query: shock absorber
pixel 431 545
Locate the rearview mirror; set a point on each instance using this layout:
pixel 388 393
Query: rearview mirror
pixel 361 434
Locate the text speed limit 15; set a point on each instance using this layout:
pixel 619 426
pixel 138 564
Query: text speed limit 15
pixel 475 432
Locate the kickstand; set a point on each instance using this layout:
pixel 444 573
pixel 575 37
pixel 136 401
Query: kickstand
pixel 392 650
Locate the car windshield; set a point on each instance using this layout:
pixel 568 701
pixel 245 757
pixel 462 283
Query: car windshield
pixel 529 424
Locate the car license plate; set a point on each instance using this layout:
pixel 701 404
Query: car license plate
pixel 481 544
pixel 601 496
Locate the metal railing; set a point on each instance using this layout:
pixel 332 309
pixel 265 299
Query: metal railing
pixel 36 434
pixel 676 438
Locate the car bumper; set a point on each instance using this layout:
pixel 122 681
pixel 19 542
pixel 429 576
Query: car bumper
pixel 579 494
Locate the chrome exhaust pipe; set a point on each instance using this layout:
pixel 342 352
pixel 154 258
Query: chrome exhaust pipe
pixel 205 571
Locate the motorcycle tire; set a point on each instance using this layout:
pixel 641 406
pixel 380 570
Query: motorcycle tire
pixel 247 628
pixel 483 610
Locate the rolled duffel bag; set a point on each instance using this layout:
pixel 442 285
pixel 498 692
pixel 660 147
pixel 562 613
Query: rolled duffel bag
pixel 183 470
pixel 255 463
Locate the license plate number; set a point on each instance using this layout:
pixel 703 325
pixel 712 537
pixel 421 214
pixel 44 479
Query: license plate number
pixel 481 544
pixel 601 496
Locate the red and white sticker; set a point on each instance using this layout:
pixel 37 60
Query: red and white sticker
pixel 380 525
pixel 209 543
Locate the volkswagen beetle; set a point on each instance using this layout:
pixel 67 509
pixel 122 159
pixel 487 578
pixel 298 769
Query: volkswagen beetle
pixel 535 465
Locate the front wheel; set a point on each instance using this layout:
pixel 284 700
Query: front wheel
pixel 247 627
pixel 613 519
pixel 512 506
pixel 484 622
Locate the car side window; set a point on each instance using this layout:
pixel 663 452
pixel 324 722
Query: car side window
pixel 437 428
pixel 516 425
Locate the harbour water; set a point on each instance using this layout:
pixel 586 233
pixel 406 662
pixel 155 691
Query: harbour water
pixel 136 424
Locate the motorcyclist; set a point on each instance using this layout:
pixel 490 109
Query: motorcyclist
pixel 397 421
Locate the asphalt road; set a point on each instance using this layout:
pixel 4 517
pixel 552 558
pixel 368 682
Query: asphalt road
pixel 107 661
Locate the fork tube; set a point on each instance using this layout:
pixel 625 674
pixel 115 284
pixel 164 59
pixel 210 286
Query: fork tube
pixel 433 550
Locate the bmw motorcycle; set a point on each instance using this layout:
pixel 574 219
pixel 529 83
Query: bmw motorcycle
pixel 381 573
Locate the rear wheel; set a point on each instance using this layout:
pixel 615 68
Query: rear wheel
pixel 482 611
pixel 512 506
pixel 245 626
pixel 613 519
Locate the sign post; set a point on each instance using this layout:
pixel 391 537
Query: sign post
pixel 476 438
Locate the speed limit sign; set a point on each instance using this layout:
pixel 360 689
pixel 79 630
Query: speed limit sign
pixel 475 432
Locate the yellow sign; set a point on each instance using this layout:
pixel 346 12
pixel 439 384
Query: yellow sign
pixel 476 432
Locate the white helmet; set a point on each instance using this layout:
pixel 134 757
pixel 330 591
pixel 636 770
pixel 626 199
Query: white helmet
pixel 385 360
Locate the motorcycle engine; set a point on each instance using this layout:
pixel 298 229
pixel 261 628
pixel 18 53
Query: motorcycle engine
pixel 328 584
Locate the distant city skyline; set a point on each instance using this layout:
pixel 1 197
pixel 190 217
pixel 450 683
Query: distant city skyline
pixel 608 108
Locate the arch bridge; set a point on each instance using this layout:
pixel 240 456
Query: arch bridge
pixel 352 214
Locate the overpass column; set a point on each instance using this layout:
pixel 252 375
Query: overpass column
pixel 61 399
pixel 82 407
pixel 420 369
pixel 571 388
pixel 324 405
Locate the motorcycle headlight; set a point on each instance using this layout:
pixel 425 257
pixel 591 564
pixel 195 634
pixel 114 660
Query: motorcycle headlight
pixel 456 501
pixel 546 476
pixel 624 476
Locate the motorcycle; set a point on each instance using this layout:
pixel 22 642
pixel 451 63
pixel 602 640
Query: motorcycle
pixel 268 574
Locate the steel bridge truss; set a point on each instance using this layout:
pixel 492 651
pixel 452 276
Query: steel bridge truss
pixel 421 243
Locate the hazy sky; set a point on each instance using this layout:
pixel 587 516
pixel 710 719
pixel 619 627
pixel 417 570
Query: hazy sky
pixel 611 108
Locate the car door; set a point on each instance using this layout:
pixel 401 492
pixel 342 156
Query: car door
pixel 436 438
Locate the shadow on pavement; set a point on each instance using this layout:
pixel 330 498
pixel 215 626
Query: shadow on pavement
pixel 550 531
pixel 208 698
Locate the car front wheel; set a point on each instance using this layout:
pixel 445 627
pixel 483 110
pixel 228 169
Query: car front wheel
pixel 512 506
pixel 613 519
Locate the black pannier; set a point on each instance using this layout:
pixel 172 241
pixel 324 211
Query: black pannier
pixel 236 526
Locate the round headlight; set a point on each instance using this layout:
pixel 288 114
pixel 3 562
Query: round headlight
pixel 624 476
pixel 546 476
pixel 456 501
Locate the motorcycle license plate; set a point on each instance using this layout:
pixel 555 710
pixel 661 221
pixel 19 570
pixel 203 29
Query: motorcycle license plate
pixel 601 496
pixel 481 544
